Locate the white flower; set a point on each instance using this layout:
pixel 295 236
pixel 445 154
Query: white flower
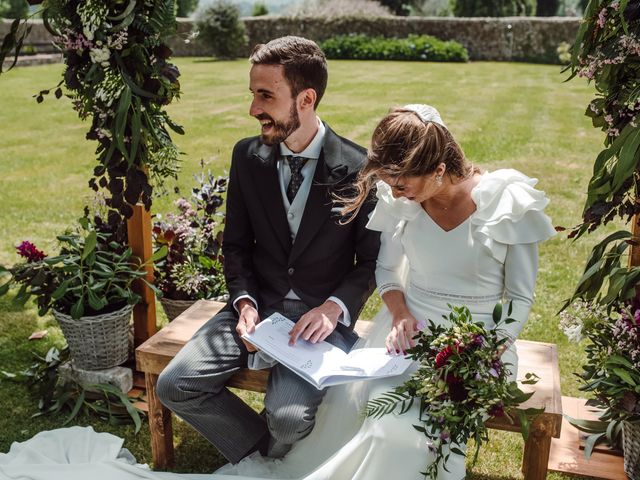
pixel 88 33
pixel 100 55
pixel 573 333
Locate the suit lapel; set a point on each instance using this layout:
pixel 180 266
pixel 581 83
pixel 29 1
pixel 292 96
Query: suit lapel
pixel 318 207
pixel 268 188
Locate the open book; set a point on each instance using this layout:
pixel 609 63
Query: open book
pixel 322 364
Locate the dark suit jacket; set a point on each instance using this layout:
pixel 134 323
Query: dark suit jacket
pixel 326 259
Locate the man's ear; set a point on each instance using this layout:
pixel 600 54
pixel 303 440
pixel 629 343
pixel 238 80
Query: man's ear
pixel 307 99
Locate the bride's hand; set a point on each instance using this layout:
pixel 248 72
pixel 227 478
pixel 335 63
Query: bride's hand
pixel 403 330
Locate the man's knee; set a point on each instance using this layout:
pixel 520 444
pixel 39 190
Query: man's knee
pixel 168 387
pixel 288 425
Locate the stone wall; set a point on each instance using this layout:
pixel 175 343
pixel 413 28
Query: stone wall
pixel 529 39
pixel 510 38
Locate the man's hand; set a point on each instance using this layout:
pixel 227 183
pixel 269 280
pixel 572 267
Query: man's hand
pixel 247 321
pixel 317 324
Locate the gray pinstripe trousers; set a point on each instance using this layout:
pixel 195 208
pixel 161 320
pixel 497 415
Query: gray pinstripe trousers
pixel 192 386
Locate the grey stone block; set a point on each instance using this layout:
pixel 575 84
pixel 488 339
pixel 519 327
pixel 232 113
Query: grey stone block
pixel 119 377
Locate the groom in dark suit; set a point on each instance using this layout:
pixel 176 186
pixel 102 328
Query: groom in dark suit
pixel 285 250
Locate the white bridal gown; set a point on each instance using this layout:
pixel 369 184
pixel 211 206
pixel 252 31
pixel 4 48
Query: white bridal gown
pixel 490 256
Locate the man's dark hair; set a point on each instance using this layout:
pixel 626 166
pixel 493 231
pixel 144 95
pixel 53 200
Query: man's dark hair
pixel 305 65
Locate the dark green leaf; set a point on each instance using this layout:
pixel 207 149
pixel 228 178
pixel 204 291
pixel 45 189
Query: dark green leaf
pixel 90 243
pixel 60 291
pixel 590 442
pixel 77 310
pixel 624 375
pixel 76 408
pixel 497 313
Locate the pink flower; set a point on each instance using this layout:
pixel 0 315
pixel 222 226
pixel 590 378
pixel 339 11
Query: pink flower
pixel 602 17
pixel 29 251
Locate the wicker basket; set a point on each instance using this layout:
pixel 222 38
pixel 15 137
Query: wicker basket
pixel 173 308
pixel 99 341
pixel 631 448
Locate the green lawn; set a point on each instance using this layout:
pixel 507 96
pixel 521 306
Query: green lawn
pixel 504 115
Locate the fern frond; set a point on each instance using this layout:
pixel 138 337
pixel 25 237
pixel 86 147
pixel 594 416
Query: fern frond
pixel 387 403
pixel 163 17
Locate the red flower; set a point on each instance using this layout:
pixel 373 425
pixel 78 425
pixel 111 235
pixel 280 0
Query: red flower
pixel 457 390
pixel 497 410
pixel 444 354
pixel 29 251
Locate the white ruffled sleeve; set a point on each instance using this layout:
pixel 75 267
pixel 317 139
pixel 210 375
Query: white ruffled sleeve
pixel 389 217
pixel 510 222
pixel 509 211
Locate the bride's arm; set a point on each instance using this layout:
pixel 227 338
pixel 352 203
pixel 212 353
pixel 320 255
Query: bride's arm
pixel 390 278
pixel 520 271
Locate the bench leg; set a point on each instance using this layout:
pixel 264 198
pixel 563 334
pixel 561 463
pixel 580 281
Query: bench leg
pixel 536 451
pixel 160 427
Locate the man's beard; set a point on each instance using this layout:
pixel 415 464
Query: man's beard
pixel 281 130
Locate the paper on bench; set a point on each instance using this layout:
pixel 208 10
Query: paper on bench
pixel 322 364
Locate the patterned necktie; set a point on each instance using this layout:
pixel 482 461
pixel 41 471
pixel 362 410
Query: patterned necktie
pixel 295 164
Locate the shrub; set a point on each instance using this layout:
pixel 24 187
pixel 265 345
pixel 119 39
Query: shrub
pixel 219 27
pixel 493 8
pixel 414 47
pixel 13 8
pixel 259 9
pixel 185 7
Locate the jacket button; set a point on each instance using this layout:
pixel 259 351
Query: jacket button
pixel 291 271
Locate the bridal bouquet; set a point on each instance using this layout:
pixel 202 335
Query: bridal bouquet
pixel 461 382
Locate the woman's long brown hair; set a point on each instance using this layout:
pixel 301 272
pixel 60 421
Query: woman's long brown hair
pixel 403 145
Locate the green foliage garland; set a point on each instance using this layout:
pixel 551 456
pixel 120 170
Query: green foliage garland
pixel 118 76
pixel 607 52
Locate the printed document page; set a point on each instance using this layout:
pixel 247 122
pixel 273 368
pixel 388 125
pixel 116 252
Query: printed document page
pixel 322 364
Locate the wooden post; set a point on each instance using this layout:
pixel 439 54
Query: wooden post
pixel 634 252
pixel 535 458
pixel 160 426
pixel 141 242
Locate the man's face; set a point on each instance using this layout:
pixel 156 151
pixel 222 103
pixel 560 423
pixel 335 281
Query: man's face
pixel 272 103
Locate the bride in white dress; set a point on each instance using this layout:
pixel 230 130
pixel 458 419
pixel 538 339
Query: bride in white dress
pixel 450 234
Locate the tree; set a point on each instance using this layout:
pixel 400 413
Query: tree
pixel 259 9
pixel 13 8
pixel 219 27
pixel 186 7
pixel 547 8
pixel 397 7
pixel 493 8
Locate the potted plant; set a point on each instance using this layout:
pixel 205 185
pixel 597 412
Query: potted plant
pixel 192 269
pixel 611 373
pixel 88 286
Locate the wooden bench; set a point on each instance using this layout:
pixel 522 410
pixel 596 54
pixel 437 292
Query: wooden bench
pixel 540 358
